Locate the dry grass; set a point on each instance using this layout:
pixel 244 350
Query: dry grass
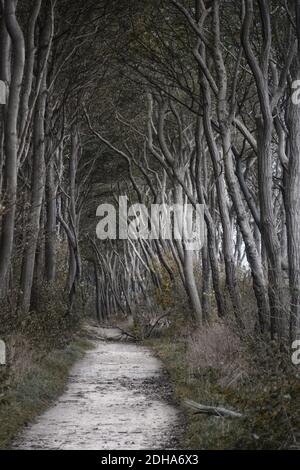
pixel 215 365
pixel 20 357
pixel 218 349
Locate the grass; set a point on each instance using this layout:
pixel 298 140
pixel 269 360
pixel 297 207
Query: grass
pixel 202 432
pixel 38 388
pixel 269 398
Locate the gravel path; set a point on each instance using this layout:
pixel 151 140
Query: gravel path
pixel 118 397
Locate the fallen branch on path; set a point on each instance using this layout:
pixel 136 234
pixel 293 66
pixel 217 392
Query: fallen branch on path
pixel 125 333
pixel 108 333
pixel 211 410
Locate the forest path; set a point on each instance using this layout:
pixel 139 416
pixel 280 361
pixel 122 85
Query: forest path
pixel 117 397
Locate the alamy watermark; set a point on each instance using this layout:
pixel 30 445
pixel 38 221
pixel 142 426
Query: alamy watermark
pixel 296 353
pixel 182 222
pixel 2 353
pixel 296 93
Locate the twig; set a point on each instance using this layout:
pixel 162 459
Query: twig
pixel 212 410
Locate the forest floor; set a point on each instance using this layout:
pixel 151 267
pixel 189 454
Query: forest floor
pixel 128 395
pixel 268 396
pixel 117 397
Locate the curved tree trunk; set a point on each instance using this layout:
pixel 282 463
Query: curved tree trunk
pixel 11 141
pixel 38 174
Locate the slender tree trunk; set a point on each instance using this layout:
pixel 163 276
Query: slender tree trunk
pixel 268 226
pixel 50 240
pixel 98 293
pixel 38 175
pixel 206 306
pixel 11 141
pixel 211 228
pixel 188 263
pixel 292 196
pixel 5 47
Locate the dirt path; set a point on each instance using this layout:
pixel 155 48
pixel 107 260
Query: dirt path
pixel 118 397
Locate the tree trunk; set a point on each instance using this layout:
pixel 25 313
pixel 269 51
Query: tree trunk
pixel 292 198
pixel 268 226
pixel 11 141
pixel 38 175
pixel 50 240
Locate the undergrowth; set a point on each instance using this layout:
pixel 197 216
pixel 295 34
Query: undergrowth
pixel 41 348
pixel 213 366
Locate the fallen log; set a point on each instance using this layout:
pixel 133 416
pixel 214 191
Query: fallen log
pixel 108 333
pixel 125 333
pixel 211 410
